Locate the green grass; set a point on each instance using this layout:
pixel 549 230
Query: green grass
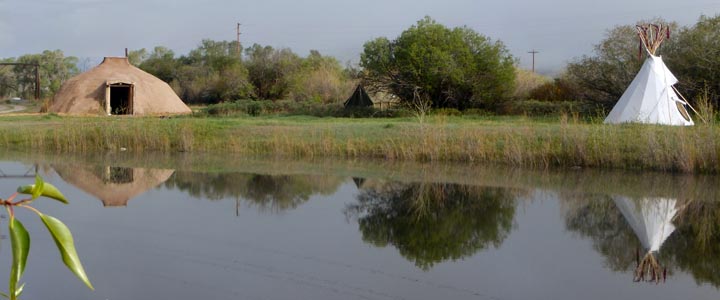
pixel 516 141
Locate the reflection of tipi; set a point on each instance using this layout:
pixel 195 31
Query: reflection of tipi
pixel 651 220
pixel 359 181
pixel 114 186
pixel 651 97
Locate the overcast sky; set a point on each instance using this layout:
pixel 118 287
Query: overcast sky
pixel 559 29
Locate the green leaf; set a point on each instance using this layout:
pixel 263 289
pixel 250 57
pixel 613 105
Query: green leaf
pixel 49 191
pixel 20 240
pixel 64 241
pixel 39 187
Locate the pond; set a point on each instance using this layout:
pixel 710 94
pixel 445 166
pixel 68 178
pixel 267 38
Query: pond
pixel 194 227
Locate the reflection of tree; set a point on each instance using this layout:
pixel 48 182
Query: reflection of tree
pixel 598 218
pixel 211 186
pixel 431 222
pixel 696 243
pixel 285 192
pixel 269 192
pixel 694 247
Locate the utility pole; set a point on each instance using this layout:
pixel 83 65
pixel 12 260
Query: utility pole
pixel 533 52
pixel 37 81
pixel 239 49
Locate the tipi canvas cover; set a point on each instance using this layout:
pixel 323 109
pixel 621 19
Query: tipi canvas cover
pixel 650 219
pixel 651 99
pixel 117 87
pixel 359 98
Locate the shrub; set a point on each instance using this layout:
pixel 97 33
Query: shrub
pixel 477 112
pixel 550 108
pixel 558 89
pixel 289 107
pixel 446 112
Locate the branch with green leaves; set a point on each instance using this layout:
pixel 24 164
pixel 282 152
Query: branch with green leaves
pixel 20 239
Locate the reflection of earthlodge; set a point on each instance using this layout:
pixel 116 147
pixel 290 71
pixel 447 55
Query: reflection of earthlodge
pixel 114 186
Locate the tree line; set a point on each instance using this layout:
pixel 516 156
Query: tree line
pixel 215 72
pixel 445 67
pixel 54 69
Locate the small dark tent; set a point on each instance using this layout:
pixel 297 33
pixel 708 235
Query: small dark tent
pixel 359 98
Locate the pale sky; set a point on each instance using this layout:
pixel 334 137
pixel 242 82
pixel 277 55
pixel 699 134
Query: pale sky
pixel 559 29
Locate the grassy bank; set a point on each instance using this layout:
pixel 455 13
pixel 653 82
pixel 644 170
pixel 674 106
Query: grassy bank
pixel 515 141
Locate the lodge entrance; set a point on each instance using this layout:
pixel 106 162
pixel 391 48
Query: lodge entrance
pixel 119 98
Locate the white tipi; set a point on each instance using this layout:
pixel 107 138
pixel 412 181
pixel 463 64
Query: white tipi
pixel 651 97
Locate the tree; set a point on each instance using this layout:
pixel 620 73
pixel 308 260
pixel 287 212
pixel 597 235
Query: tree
pixel 55 69
pixel 160 62
pixel 270 70
pixel 320 79
pixel 136 57
pixel 452 67
pixel 694 58
pixel 210 73
pixel 604 76
pixel 8 84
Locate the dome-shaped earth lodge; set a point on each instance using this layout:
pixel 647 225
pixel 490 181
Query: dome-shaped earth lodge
pixel 115 87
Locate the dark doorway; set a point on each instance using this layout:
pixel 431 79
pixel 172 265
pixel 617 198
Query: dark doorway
pixel 121 99
pixel 114 175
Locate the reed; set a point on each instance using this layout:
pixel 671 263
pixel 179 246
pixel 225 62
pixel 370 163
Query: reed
pixel 522 142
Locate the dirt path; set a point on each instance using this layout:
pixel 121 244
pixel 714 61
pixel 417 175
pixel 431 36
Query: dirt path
pixel 5 109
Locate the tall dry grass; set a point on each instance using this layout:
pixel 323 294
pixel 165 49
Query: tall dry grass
pixel 518 142
pixel 705 109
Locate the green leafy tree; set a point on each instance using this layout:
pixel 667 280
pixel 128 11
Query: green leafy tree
pixel 320 79
pixel 270 70
pixel 8 84
pixel 604 76
pixel 210 73
pixel 694 58
pixel 160 62
pixel 136 57
pixel 55 68
pixel 452 67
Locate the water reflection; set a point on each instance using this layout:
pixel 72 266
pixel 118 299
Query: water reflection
pixel 432 222
pixel 434 214
pixel 114 186
pixel 665 224
pixel 651 220
pixel 270 193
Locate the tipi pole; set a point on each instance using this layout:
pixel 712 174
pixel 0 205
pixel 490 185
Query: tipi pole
pixel 688 104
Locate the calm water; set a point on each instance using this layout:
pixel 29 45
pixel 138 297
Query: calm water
pixel 220 228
